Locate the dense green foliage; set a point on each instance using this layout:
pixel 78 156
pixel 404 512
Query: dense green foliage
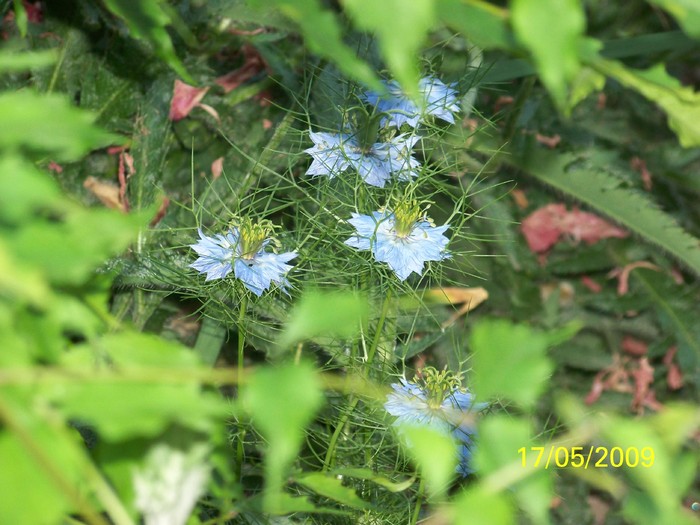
pixel 131 388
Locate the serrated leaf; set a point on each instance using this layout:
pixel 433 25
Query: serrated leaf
pixel 681 104
pixel 390 19
pixel 147 20
pixel 590 184
pixel 551 30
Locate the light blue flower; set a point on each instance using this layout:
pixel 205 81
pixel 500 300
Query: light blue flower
pixel 401 238
pixel 242 250
pixel 334 153
pixel 437 402
pixel 437 99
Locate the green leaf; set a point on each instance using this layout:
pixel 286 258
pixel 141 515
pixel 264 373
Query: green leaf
pixel 339 314
pixel 26 60
pixel 211 336
pixel 331 487
pixel 681 104
pixel 480 22
pixel 147 20
pixel 365 473
pixel 401 28
pixel 68 252
pixel 686 13
pixel 49 125
pixel 551 30
pixel 282 402
pixel 435 454
pixel 509 361
pixel 500 438
pixel 585 82
pixel 40 469
pixel 585 179
pixel 478 506
pixel 323 35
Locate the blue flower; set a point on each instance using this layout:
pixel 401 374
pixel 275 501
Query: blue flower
pixel 334 153
pixel 437 402
pixel 401 238
pixel 242 250
pixel 437 99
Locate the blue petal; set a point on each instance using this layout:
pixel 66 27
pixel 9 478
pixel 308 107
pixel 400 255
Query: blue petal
pixel 258 273
pixel 215 254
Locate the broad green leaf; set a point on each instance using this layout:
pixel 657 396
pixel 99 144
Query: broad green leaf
pixel 368 474
pixel 20 283
pixel 49 125
pixel 500 438
pixel 211 336
pixel 147 20
pixel 40 470
pixel 664 473
pixel 21 61
pixel 551 30
pixel 323 35
pixel 686 13
pixel 509 361
pixel 586 82
pixel 21 18
pixel 681 104
pixel 282 402
pixel 333 488
pixel 339 314
pixel 24 191
pixel 68 252
pixel 480 22
pixel 401 28
pixel 477 506
pixel 585 179
pixel 435 453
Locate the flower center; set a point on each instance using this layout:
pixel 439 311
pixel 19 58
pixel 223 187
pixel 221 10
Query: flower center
pixel 438 385
pixel 406 214
pixel 251 236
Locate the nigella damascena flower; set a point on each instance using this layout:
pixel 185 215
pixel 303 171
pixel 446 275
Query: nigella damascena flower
pixel 402 238
pixel 334 153
pixel 436 401
pixel 243 250
pixel 437 99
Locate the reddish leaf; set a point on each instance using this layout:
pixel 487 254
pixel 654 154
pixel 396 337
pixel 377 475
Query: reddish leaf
pixel 551 142
pixel 634 346
pixel 541 227
pixel 589 228
pixel 644 395
pixel 55 167
pixel 252 65
pixel 185 99
pixel 217 167
pixel 674 376
pixel 623 274
pixel 592 285
pixel 161 212
pixel 641 166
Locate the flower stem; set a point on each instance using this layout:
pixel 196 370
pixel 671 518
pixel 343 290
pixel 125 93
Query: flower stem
pixel 419 502
pixel 380 326
pixel 240 366
pixel 330 453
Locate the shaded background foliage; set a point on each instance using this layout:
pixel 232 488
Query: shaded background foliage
pixel 111 344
